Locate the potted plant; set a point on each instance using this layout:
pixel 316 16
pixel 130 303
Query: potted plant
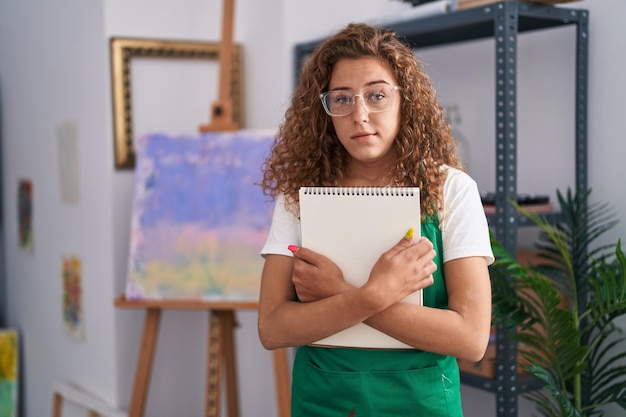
pixel 564 309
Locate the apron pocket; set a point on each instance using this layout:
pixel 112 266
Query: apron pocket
pixel 424 392
pixel 320 393
pixel 421 392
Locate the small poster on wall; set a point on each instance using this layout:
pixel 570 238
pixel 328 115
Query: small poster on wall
pixel 73 298
pixel 67 150
pixel 199 217
pixel 25 214
pixel 8 372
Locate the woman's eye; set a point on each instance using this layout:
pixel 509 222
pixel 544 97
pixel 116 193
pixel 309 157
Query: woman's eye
pixel 343 99
pixel 376 96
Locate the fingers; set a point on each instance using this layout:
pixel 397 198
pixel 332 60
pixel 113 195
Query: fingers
pixel 404 243
pixel 418 259
pixel 315 276
pixel 424 249
pixel 307 255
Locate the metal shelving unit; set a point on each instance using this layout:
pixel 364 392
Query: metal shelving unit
pixel 503 21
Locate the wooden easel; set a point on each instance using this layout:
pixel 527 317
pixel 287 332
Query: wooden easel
pixel 220 355
pixel 222 115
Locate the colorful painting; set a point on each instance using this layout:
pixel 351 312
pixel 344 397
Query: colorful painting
pixel 73 298
pixel 199 217
pixel 25 214
pixel 8 373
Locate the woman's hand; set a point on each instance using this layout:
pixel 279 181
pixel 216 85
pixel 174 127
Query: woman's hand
pixel 315 276
pixel 399 272
pixel 403 269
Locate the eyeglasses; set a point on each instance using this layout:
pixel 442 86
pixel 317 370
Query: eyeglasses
pixel 375 99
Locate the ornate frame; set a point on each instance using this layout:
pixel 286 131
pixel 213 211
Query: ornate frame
pixel 123 50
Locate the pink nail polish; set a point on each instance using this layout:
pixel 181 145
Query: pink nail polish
pixel 293 248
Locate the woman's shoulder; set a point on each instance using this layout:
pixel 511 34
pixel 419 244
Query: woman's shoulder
pixel 457 178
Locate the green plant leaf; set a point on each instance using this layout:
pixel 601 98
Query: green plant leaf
pixel 609 288
pixel 563 404
pixel 571 344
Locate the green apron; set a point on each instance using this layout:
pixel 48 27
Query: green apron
pixel 340 382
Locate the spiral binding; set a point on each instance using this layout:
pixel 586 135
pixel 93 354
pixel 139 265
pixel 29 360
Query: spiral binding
pixel 366 191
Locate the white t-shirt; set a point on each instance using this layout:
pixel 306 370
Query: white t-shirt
pixel 464 226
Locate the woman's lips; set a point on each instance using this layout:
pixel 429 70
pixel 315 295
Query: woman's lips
pixel 361 135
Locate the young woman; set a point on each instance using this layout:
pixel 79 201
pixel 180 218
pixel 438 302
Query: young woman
pixel 365 114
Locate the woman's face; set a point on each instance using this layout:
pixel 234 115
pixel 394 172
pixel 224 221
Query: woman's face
pixel 367 136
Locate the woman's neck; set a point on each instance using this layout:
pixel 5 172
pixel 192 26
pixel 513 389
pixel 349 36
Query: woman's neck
pixel 367 176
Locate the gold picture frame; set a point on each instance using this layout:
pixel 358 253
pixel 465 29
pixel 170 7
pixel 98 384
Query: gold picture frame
pixel 123 50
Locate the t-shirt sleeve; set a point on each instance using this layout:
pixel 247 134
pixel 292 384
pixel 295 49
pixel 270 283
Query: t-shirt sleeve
pixel 284 230
pixel 464 226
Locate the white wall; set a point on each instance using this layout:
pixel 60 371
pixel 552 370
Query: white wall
pixel 54 67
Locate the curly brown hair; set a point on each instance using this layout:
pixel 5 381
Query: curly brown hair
pixel 306 150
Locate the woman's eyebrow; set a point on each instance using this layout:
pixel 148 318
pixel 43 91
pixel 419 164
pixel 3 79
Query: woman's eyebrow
pixel 377 82
pixel 369 84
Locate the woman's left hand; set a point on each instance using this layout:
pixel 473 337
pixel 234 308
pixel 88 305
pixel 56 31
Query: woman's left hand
pixel 315 276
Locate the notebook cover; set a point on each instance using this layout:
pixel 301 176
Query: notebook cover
pixel 353 226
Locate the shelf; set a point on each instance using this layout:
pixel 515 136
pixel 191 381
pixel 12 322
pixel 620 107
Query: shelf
pixel 467 25
pixel 478 23
pixel 525 383
pixel 523 221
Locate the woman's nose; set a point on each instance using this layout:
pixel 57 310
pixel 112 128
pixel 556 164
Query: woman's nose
pixel 360 113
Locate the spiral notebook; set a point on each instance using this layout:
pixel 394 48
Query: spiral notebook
pixel 353 226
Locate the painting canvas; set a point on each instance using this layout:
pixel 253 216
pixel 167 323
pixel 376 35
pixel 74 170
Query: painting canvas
pixel 199 217
pixel 25 214
pixel 73 298
pixel 8 372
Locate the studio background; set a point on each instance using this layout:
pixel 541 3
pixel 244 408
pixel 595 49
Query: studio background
pixel 55 70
